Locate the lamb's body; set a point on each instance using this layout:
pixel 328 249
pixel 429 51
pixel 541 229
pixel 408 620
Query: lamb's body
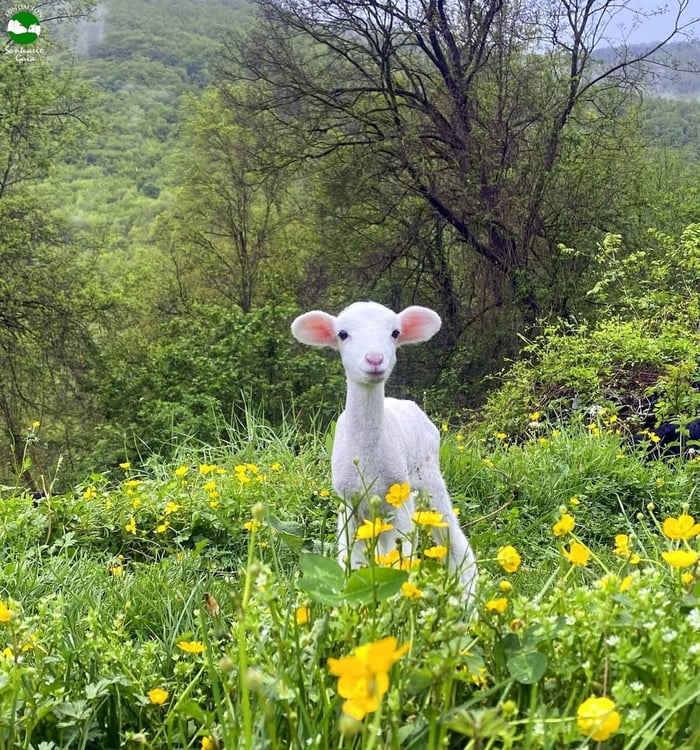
pixel 383 441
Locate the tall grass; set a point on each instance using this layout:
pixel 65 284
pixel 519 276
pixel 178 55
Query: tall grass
pixel 197 604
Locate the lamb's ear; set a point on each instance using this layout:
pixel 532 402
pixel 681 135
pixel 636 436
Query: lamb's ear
pixel 418 324
pixel 315 328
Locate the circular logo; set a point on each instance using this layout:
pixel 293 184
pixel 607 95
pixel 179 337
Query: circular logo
pixel 23 28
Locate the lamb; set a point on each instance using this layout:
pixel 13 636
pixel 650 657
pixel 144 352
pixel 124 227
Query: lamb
pixel 382 441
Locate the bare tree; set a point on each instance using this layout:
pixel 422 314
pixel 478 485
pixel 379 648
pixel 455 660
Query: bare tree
pixel 464 103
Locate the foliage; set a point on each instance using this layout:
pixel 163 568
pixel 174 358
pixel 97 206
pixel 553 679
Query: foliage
pixel 193 603
pixel 205 370
pixel 646 331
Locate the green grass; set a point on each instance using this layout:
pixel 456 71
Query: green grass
pixel 100 586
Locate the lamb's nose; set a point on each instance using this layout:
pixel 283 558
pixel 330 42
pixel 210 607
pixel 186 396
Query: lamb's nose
pixel 374 358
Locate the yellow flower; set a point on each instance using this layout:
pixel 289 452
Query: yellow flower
pixel 131 483
pixel 612 582
pixel 683 527
pixel 90 492
pixel 125 465
pixel 565 525
pixel 181 471
pixel 508 558
pixel 209 744
pixel 116 570
pixel 505 586
pixel 158 696
pixel 398 494
pixel 535 416
pixel 131 526
pixel 680 558
pixel 429 518
pixel 622 549
pixel 277 466
pixel 162 527
pixel 497 606
pixel 206 468
pixel 191 647
pixel 391 558
pixel 5 614
pixel 437 552
pixel 171 507
pixel 687 578
pixel 577 554
pixel 324 493
pixel 303 615
pixel 372 529
pixel 364 675
pixel 252 525
pixel 500 435
pixel 36 425
pixel 410 591
pixel 597 718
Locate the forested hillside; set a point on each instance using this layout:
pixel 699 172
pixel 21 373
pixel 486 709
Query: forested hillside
pixel 180 180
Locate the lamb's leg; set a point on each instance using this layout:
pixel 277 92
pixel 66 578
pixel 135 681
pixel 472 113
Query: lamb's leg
pixel 461 555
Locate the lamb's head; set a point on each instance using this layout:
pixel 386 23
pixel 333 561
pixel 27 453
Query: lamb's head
pixel 367 335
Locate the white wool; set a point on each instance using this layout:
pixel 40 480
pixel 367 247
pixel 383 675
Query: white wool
pixel 383 441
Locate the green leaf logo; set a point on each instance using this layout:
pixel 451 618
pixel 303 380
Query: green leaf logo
pixel 23 28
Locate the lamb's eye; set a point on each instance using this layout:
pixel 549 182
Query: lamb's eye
pixel 342 335
pixel 395 333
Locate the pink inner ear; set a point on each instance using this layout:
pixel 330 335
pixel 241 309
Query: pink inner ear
pixel 417 325
pixel 321 330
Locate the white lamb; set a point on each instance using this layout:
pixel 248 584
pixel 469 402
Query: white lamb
pixel 382 441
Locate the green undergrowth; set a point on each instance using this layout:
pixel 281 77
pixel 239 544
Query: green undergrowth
pixel 197 604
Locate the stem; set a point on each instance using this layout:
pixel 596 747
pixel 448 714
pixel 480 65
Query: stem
pixel 242 655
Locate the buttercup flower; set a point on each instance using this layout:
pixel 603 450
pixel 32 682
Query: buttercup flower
pixel 429 518
pixel 622 549
pixel 680 558
pixel 302 615
pixel 131 526
pixel 391 558
pixel 371 529
pixel 364 675
pixel 577 554
pixel 683 527
pixel 158 696
pixel 497 606
pixel 5 614
pixel 597 718
pixel 398 494
pixel 410 591
pixel 191 647
pixel 565 525
pixel 508 558
pixel 437 552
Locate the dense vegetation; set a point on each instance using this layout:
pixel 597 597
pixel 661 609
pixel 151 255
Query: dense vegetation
pixel 161 228
pixel 178 180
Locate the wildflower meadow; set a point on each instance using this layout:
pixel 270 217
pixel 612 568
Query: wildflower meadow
pixel 198 603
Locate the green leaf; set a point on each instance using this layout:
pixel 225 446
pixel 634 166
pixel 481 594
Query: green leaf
pixel 373 584
pixel 291 533
pixel 323 578
pixel 527 667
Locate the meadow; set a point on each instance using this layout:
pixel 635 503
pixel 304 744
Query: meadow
pixel 197 603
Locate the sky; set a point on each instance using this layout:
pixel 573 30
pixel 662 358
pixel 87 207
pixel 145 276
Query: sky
pixel 657 26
